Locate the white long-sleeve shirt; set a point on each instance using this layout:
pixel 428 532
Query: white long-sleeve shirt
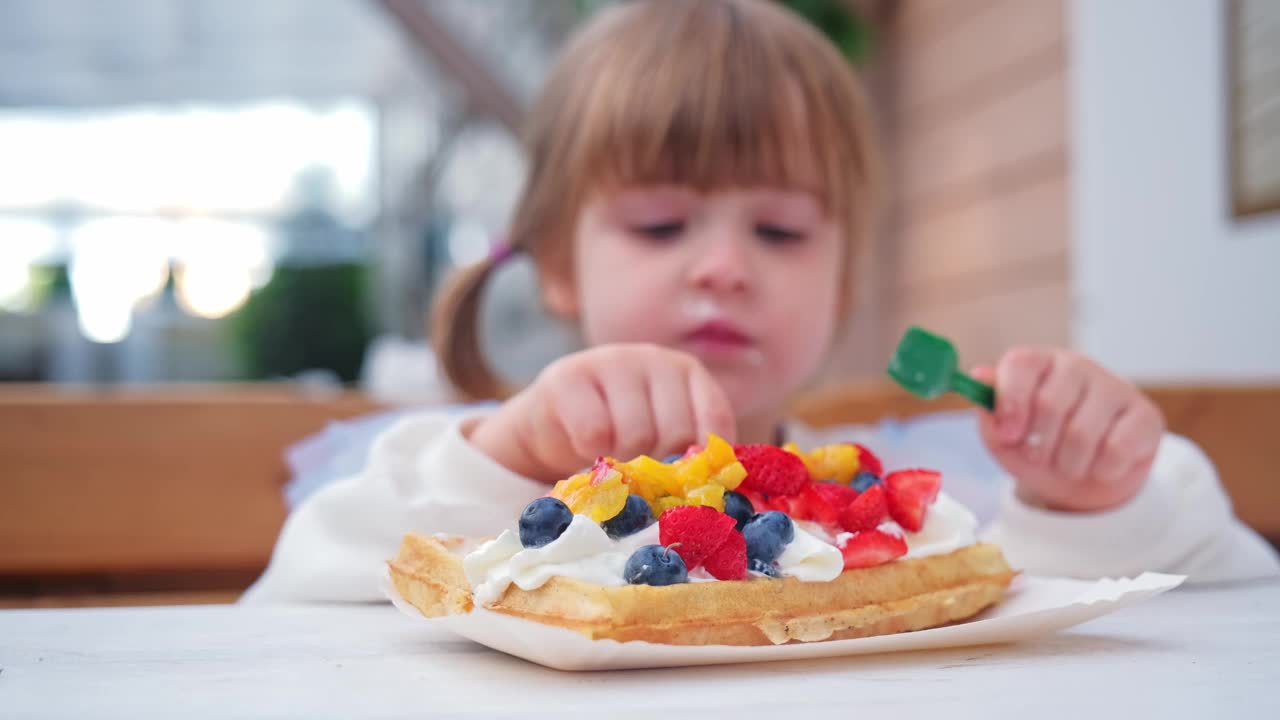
pixel 423 475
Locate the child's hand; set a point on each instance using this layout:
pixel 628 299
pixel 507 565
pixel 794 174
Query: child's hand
pixel 1074 436
pixel 615 400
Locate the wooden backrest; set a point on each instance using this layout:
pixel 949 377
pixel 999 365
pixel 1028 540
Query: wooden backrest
pixel 186 483
pixel 149 482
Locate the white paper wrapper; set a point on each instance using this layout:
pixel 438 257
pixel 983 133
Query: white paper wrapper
pixel 1033 606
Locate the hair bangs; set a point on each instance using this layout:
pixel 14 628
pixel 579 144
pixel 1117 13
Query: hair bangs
pixel 756 117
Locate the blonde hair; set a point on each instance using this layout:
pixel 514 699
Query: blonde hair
pixel 704 93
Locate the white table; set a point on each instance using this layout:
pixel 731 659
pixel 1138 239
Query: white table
pixel 1191 653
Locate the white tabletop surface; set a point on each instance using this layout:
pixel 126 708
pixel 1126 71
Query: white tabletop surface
pixel 1195 652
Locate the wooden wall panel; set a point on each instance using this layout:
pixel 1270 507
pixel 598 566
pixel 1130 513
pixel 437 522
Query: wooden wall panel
pixel 1018 126
pixel 961 53
pixel 984 323
pixel 978 240
pixel 1027 224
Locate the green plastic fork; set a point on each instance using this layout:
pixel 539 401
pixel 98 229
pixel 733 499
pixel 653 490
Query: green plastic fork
pixel 927 366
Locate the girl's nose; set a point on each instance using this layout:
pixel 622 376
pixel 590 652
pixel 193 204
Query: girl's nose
pixel 721 261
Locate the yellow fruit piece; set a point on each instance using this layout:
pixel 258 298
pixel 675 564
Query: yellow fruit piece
pixel 730 476
pixel 834 462
pixel 655 507
pixel 699 479
pixel 649 478
pixel 601 501
pixel 566 487
pixel 666 503
pixel 709 495
pixel 718 452
pixel 691 473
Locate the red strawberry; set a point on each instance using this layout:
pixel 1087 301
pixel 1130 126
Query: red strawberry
pixel 872 547
pixel 911 492
pixel 837 495
pixel 822 502
pixel 805 505
pixel 867 511
pixel 699 529
pixel 760 503
pixel 771 470
pixel 729 561
pixel 868 461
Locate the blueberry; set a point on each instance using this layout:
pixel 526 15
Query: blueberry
pixel 672 458
pixel 542 521
pixel 865 479
pixel 635 516
pixel 738 507
pixel 766 535
pixel 764 568
pixel 655 565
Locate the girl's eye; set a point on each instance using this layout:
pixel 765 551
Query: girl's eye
pixel 661 230
pixel 778 235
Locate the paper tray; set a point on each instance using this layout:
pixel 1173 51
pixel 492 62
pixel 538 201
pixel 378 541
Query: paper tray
pixel 1033 606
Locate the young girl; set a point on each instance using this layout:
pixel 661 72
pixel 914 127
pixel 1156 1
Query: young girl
pixel 702 180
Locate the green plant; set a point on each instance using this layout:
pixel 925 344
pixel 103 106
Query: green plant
pixel 835 18
pixel 307 317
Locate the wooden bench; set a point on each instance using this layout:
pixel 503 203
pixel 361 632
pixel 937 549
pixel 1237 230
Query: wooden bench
pixel 146 493
pixel 175 495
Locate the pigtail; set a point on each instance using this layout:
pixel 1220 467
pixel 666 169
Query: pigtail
pixel 455 323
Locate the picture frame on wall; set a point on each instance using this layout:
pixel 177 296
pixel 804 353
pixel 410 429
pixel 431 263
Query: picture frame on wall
pixel 1253 62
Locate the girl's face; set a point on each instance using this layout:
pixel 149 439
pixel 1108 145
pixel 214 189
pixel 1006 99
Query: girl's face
pixel 747 280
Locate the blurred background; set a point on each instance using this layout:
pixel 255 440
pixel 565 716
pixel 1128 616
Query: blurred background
pixel 196 190
pixel 222 222
pixel 204 191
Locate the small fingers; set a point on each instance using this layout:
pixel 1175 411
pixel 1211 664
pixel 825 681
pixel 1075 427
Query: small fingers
pixel 1018 375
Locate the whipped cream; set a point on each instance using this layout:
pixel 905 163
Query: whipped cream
pixel 810 559
pixel 585 552
pixel 948 526
pixel 815 529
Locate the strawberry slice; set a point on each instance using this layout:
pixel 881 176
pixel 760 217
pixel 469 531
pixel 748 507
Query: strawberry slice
pixel 729 561
pixel 837 495
pixel 761 503
pixel 868 461
pixel 867 511
pixel 809 505
pixel 822 502
pixel 872 547
pixel 758 501
pixel 699 529
pixel 911 492
pixel 771 470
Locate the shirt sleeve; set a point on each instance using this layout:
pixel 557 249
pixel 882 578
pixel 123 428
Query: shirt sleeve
pixel 422 475
pixel 1180 522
